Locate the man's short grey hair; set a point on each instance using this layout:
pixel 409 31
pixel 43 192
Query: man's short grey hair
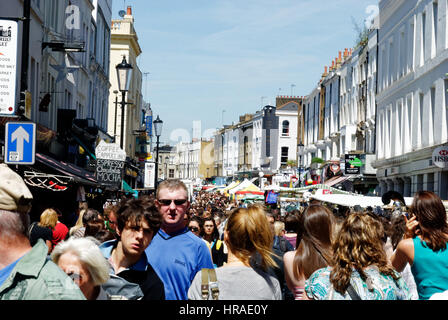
pixel 88 252
pixel 13 224
pixel 172 184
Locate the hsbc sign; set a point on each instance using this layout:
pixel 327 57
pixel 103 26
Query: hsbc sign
pixel 440 157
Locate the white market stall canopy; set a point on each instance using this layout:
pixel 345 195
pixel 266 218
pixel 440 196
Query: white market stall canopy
pixel 245 185
pixel 230 186
pixel 353 200
pixel 306 188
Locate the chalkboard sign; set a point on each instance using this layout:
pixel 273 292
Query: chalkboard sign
pixel 109 164
pixel 109 172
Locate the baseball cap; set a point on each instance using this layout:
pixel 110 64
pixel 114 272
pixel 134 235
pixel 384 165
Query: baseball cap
pixel 14 194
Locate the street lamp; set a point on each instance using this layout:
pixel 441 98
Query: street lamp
pixel 300 148
pixel 158 132
pixel 124 73
pixel 115 120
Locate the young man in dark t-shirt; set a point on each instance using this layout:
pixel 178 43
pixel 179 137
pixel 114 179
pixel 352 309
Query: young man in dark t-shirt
pixel 138 220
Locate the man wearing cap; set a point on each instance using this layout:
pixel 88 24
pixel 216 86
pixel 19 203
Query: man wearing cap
pixel 25 273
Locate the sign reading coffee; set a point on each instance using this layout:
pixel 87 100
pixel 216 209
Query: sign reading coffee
pixel 109 164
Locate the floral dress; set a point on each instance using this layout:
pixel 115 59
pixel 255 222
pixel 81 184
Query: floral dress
pixel 382 287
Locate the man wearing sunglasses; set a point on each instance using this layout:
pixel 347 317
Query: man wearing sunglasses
pixel 176 253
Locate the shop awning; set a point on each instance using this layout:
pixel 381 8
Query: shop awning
pixel 78 174
pixel 127 188
pixel 335 180
pixel 250 192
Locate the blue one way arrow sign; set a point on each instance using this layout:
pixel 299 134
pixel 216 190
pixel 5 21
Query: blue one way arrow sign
pixel 20 142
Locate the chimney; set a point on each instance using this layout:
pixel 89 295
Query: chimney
pixel 339 60
pixel 129 11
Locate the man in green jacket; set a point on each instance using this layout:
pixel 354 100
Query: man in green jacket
pixel 25 272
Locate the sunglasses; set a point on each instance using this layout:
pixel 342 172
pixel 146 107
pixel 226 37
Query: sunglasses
pixel 193 229
pixel 167 202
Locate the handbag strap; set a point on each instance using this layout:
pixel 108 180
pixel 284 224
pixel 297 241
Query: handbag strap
pixel 352 292
pixel 31 228
pixel 209 281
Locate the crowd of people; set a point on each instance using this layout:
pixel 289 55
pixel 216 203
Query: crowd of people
pixel 176 246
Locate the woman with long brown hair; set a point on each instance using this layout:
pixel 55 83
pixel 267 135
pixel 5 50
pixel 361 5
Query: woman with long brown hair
pixel 359 269
pixel 247 232
pixel 424 245
pixel 314 250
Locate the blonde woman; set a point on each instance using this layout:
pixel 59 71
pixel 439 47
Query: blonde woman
pixel 77 231
pixel 44 228
pixel 359 269
pixel 247 232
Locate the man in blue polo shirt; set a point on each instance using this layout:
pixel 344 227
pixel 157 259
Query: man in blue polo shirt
pixel 175 253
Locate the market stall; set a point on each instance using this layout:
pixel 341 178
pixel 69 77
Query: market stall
pixel 243 188
pixel 230 186
pixel 351 200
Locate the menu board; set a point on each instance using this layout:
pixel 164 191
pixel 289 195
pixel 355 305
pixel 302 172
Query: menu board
pixel 8 66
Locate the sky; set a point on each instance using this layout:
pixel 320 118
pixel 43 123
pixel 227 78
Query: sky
pixel 211 61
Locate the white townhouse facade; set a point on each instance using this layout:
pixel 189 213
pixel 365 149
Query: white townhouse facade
pixel 257 138
pixel 286 143
pixel 357 102
pixel 412 96
pixel 311 111
pixel 86 87
pixel 230 150
pixel 187 157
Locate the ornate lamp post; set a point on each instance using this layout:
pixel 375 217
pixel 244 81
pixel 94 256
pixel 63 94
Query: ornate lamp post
pixel 124 73
pixel 300 148
pixel 158 132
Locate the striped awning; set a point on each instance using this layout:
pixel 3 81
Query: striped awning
pixel 335 180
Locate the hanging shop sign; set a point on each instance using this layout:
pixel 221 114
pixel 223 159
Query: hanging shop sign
pixel 8 66
pixel 150 175
pixel 440 157
pixel 352 164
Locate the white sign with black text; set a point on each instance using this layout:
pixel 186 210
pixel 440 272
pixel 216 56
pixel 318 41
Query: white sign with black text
pixel 110 160
pixel 8 66
pixel 150 175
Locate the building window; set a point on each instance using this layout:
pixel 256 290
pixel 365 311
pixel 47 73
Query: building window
pixel 285 128
pixel 435 18
pixel 284 156
pixel 423 38
pixel 171 173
